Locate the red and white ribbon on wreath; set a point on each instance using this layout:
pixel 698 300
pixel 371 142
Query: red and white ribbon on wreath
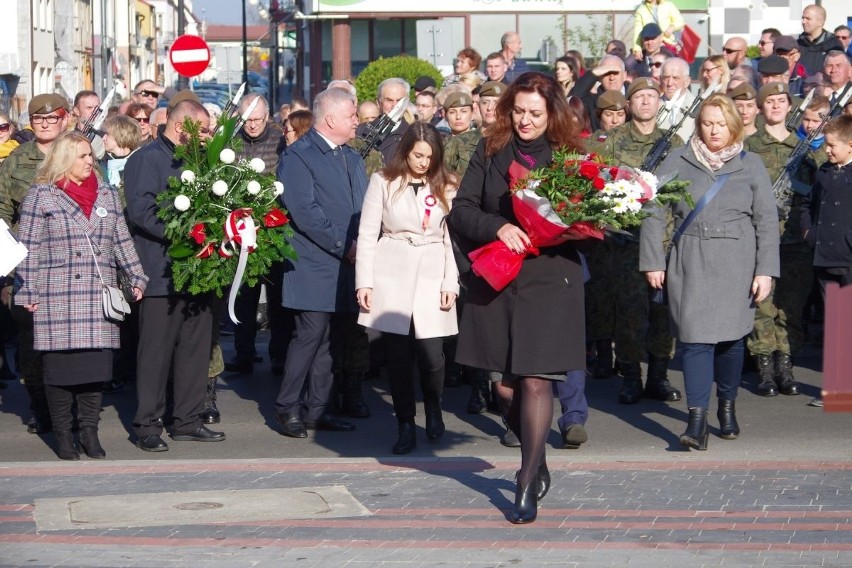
pixel 239 230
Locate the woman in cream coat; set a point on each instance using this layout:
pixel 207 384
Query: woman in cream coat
pixel 406 278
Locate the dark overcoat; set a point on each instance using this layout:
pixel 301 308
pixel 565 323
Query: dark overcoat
pixel 536 324
pixel 323 195
pixel 59 274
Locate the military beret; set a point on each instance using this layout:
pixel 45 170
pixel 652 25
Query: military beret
pixel 641 84
pixel 651 30
pixel 785 43
pixel 611 100
pixel 743 92
pixel 770 89
pixel 180 96
pixel 492 89
pixel 772 65
pixel 458 99
pixel 47 103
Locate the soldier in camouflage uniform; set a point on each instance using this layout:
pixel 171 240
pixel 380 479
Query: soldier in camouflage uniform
pixel 622 309
pixel 458 149
pixel 778 331
pixel 745 101
pixel 49 119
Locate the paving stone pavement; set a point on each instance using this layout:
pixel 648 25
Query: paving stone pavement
pixel 781 495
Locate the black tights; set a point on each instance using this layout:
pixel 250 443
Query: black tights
pixel 402 351
pixel 530 417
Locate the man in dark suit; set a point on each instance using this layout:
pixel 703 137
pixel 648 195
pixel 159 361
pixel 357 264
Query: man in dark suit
pixel 324 186
pixel 174 329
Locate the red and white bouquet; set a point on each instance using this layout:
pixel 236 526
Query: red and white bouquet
pixel 575 197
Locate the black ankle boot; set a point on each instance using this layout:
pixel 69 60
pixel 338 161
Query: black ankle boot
pixel 407 440
pixel 89 415
pixel 766 371
pixel 479 390
pixel 631 386
pixel 65 448
pixel 209 411
pixel 729 429
pixel 434 420
pixel 526 505
pixel 696 430
pixel 91 444
pixel 784 374
pixel 542 481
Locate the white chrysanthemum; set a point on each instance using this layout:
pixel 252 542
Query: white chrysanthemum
pixel 219 188
pixel 182 203
pixel 620 206
pixel 187 176
pixel 257 165
pixel 227 156
pixel 279 188
pixel 253 187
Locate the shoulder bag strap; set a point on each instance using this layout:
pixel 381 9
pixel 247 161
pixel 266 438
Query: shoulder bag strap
pixel 705 199
pixel 91 248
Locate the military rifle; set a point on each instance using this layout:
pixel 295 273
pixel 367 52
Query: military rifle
pixel 797 156
pixel 379 130
pixel 661 147
pixel 796 116
pixel 91 127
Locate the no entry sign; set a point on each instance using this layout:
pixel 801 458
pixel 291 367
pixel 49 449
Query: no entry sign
pixel 189 55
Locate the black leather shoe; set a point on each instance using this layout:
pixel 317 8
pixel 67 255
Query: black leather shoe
pixel 574 435
pixel 331 424
pixel 39 425
pixel 631 391
pixel 526 505
pixel 407 440
pixel 240 366
pixel 510 439
pixel 542 481
pixel 434 423
pixel 152 443
pixel 291 425
pixel 200 434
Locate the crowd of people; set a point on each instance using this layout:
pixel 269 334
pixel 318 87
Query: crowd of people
pixel 383 282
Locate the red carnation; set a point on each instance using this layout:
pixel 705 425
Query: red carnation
pixel 275 218
pixel 206 251
pixel 560 207
pixel 575 198
pixel 598 183
pixel 589 170
pixel 197 233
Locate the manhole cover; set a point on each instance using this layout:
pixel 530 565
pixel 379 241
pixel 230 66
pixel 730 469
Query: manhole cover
pixel 198 506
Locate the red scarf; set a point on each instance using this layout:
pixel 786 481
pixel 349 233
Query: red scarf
pixel 84 194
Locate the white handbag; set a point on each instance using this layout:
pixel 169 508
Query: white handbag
pixel 115 305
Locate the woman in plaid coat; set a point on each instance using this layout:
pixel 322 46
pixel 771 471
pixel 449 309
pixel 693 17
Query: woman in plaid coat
pixel 71 219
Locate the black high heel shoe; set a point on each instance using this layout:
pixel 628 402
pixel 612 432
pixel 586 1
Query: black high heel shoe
pixel 542 481
pixel 526 505
pixel 696 430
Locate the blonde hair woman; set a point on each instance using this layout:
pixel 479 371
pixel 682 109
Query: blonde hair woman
pixel 73 225
pixel 715 67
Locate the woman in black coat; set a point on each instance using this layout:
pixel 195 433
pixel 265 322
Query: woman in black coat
pixel 533 330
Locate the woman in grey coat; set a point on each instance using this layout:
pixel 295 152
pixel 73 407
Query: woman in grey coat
pixel 722 265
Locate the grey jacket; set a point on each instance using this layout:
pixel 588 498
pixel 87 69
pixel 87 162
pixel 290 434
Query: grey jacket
pixel 734 239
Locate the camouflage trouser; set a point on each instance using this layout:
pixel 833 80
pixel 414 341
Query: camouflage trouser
pixel 29 360
pixel 617 304
pixel 778 319
pixel 217 362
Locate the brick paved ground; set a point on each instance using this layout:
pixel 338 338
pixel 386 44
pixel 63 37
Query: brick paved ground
pixel 781 495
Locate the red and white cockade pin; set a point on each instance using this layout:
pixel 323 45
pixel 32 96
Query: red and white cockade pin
pixel 429 201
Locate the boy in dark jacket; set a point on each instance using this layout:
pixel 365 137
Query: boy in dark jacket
pixel 827 212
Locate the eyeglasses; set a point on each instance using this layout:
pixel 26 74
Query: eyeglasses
pixel 142 119
pixel 255 121
pixel 50 119
pixel 5 127
pixel 729 51
pixel 762 43
pixel 657 64
pixel 153 94
pixel 841 37
pixel 708 69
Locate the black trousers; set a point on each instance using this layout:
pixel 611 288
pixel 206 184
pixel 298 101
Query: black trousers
pixel 174 333
pixel 402 351
pixel 308 367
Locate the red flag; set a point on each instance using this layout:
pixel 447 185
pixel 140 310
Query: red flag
pixel 690 41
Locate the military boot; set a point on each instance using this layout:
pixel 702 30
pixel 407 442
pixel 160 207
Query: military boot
pixel 479 391
pixel 784 374
pixel 40 422
pixel 209 412
pixel 631 386
pixel 766 373
pixel 657 385
pixel 603 366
